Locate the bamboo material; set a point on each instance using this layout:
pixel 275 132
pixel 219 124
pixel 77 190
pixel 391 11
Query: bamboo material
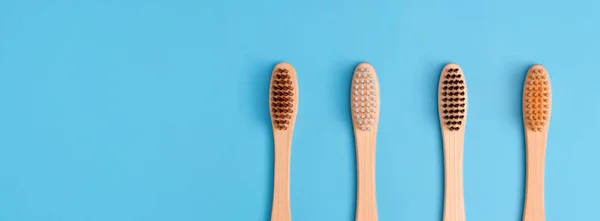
pixel 537 109
pixel 365 114
pixel 282 135
pixel 453 116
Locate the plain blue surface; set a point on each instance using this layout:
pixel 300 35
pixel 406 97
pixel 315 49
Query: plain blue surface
pixel 154 110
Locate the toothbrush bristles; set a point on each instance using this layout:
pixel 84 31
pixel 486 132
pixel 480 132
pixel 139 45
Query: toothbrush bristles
pixel 364 99
pixel 281 101
pixel 453 98
pixel 536 99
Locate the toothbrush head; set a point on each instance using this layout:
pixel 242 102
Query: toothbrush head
pixel 284 96
pixel 365 98
pixel 537 99
pixel 453 98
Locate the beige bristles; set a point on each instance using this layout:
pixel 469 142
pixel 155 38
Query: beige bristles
pixel 537 99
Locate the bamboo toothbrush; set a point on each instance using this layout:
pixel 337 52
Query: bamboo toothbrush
pixel 365 112
pixel 537 108
pixel 453 117
pixel 284 107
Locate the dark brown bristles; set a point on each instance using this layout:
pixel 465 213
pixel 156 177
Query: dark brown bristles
pixel 282 93
pixel 453 99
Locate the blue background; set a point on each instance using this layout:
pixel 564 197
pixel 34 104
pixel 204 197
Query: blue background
pixel 154 110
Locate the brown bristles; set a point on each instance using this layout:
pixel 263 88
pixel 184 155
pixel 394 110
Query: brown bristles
pixel 452 98
pixel 283 96
pixel 537 99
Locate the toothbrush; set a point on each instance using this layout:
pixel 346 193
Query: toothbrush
pixel 537 108
pixel 453 117
pixel 365 112
pixel 283 101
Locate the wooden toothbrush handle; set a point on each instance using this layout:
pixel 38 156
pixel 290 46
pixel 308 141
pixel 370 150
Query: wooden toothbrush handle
pixel 454 202
pixel 534 196
pixel 281 188
pixel 366 204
